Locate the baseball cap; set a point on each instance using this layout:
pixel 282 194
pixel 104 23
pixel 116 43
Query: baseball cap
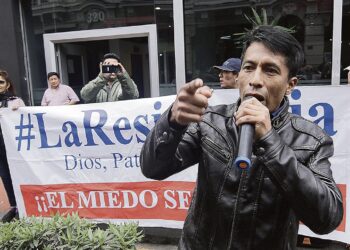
pixel 347 68
pixel 231 64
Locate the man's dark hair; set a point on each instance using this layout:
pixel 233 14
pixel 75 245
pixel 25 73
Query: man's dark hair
pixel 111 55
pixel 53 74
pixel 279 42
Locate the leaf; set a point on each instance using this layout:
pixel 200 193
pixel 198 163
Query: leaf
pixel 250 20
pixel 257 17
pixel 70 232
pixel 264 16
pixel 276 19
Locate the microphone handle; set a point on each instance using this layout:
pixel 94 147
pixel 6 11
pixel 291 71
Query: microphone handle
pixel 245 146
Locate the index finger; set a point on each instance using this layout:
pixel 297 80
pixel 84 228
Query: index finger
pixel 192 86
pixel 250 100
pixel 121 65
pixel 205 90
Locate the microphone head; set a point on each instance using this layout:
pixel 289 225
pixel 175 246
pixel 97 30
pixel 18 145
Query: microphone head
pixel 243 162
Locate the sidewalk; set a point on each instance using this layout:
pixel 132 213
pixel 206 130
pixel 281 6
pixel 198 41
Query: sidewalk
pixel 150 246
pixel 157 238
pixel 167 239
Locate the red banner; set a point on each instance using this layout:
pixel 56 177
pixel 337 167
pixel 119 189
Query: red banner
pixel 133 200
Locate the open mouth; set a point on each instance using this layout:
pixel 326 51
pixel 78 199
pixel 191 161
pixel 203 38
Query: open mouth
pixel 257 96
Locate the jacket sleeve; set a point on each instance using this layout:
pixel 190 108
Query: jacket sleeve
pixel 129 88
pixel 169 150
pixel 308 186
pixel 89 92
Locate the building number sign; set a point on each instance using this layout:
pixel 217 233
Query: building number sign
pixel 95 16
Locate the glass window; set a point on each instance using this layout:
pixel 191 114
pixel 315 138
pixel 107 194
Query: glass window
pixel 345 49
pixel 69 15
pixel 166 55
pixel 51 16
pixel 212 29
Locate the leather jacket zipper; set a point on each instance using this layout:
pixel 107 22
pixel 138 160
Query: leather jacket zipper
pixel 226 138
pixel 222 153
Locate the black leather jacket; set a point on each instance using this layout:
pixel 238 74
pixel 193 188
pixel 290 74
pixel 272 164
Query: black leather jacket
pixel 290 180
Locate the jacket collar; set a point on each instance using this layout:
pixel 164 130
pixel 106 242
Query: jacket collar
pixel 280 115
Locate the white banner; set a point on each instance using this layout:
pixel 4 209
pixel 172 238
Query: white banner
pixel 85 158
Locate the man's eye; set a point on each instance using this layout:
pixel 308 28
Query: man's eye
pixel 271 71
pixel 247 67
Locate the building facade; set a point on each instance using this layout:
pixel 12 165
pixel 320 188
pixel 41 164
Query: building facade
pixel 162 43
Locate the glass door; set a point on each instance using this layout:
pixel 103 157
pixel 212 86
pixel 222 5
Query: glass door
pixel 78 55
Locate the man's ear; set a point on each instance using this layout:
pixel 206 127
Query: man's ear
pixel 291 85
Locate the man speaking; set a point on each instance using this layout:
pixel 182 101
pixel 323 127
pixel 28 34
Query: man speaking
pixel 289 180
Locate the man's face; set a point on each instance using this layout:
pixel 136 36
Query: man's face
pixel 54 81
pixel 264 75
pixel 110 76
pixel 228 79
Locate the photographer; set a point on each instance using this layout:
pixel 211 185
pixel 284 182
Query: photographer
pixel 113 83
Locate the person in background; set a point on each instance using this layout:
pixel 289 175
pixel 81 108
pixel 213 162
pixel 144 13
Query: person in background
pixel 229 72
pixel 113 83
pixel 290 179
pixel 348 69
pixel 57 93
pixel 8 99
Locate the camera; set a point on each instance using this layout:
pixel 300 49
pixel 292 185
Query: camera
pixel 111 68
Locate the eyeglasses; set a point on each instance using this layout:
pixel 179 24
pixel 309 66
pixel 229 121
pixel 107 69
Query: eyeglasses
pixel 2 82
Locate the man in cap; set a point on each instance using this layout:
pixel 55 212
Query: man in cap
pixel 229 73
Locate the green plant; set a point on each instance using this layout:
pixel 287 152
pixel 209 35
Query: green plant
pixel 258 20
pixel 63 233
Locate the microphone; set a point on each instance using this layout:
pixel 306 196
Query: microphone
pixel 245 145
